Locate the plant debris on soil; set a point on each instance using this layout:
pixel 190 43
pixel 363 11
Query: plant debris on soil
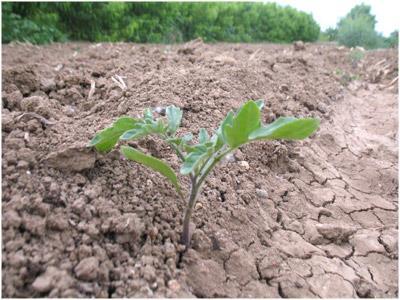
pixel 313 218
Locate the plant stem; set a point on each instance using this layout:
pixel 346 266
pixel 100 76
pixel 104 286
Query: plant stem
pixel 194 190
pixel 211 166
pixel 178 152
pixel 185 239
pixel 175 147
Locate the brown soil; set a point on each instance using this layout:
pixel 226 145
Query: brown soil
pixel 315 218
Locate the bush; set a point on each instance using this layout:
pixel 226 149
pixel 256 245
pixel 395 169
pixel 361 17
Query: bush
pixel 357 32
pixel 15 28
pixel 393 40
pixel 358 29
pixel 159 22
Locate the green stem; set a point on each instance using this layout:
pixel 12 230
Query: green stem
pixel 178 152
pixel 211 166
pixel 195 188
pixel 185 239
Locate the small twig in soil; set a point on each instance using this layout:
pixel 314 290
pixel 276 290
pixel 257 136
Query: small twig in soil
pixel 26 137
pixel 42 119
pixel 92 89
pixel 392 82
pixel 119 81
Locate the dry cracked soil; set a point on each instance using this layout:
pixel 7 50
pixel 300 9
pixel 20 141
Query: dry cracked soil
pixel 312 218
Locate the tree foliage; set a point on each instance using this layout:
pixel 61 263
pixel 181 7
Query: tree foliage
pixel 357 28
pixel 358 32
pixel 165 22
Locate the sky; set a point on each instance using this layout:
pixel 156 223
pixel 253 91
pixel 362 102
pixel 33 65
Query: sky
pixel 328 12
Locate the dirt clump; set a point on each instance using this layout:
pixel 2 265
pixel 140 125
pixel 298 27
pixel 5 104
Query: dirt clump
pixel 76 157
pixel 299 46
pixel 313 218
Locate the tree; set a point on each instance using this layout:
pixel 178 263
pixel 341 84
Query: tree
pixel 393 40
pixel 361 10
pixel 357 28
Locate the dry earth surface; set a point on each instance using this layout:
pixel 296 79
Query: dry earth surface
pixel 314 218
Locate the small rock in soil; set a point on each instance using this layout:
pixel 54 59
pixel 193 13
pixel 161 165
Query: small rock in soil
pixel 57 222
pixel 149 273
pixel 47 85
pixel 244 164
pixel 13 100
pixel 242 266
pixel 263 194
pixel 36 104
pixel 75 158
pixel 174 285
pixel 43 283
pixel 128 223
pixel 17 260
pixel 366 241
pixel 11 219
pixel 336 233
pixel 24 77
pixel 87 269
pixel 299 45
pixel 169 250
pixel 53 278
pixel 389 240
pixel 207 278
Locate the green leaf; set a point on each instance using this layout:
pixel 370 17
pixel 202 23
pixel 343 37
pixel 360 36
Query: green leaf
pixel 159 127
pixel 287 128
pixel 133 134
pixel 181 141
pixel 174 115
pixel 203 136
pixel 245 122
pixel 227 121
pixel 217 142
pixel 192 160
pixel 153 163
pixel 260 104
pixel 188 148
pixel 187 137
pixel 148 115
pixel 106 139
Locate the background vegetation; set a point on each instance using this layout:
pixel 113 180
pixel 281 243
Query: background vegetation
pixel 357 28
pixel 40 22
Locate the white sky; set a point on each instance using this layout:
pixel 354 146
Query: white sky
pixel 328 12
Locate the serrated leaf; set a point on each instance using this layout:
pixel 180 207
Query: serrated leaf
pixel 192 160
pixel 287 128
pixel 153 163
pixel 203 136
pixel 245 122
pixel 174 115
pixel 180 141
pixel 106 139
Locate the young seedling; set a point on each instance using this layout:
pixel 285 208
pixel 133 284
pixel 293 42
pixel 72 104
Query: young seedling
pixel 198 159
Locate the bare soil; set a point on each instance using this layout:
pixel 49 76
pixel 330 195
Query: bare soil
pixel 314 218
